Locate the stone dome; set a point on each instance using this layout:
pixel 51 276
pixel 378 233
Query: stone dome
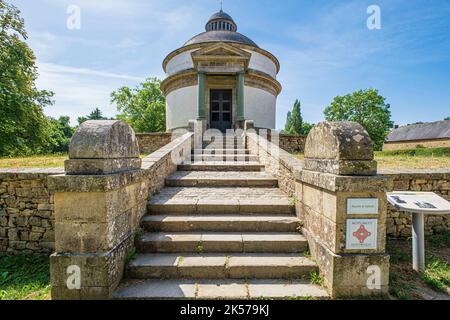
pixel 221 28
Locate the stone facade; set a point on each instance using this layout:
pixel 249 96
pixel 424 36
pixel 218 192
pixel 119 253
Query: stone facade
pixel 150 142
pixel 211 61
pixel 26 211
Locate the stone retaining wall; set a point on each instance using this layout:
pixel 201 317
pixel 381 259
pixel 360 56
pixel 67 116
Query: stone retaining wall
pixel 26 211
pixel 27 217
pixel 398 223
pixel 292 144
pixel 438 181
pixel 27 206
pixel 151 142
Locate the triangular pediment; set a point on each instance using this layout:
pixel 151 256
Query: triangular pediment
pixel 221 49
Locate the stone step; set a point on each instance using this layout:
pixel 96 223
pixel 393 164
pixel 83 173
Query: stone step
pixel 218 289
pixel 219 223
pixel 220 266
pixel 240 200
pixel 208 242
pixel 224 145
pixel 222 166
pixel 221 179
pixel 226 157
pixel 221 151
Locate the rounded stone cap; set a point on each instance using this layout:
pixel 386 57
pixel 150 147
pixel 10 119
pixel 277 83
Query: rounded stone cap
pixel 104 139
pixel 339 140
pixel 340 148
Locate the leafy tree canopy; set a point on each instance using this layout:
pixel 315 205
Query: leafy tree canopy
pixel 367 108
pixel 60 134
pixel 143 107
pixel 294 122
pixel 23 125
pixel 94 115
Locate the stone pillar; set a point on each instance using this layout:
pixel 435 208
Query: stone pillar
pixel 98 205
pixel 342 203
pixel 240 99
pixel 201 96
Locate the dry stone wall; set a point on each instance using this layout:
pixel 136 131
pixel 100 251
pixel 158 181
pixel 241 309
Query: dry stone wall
pixel 26 211
pixel 399 223
pixel 150 142
pixel 27 206
pixel 292 144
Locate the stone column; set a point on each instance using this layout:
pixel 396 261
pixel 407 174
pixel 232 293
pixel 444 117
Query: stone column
pixel 240 99
pixel 342 202
pixel 98 205
pixel 201 96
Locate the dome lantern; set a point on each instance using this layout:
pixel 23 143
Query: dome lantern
pixel 221 21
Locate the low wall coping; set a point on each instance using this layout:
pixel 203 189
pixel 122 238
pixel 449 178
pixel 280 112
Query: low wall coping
pixel 102 183
pixel 335 183
pixel 29 173
pixel 433 174
pixel 160 154
pixel 327 181
pixel 154 134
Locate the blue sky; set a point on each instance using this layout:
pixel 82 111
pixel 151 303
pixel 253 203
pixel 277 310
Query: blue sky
pixel 324 47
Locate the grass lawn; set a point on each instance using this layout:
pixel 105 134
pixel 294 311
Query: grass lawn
pixel 434 283
pixel 50 161
pixel 24 277
pixel 438 158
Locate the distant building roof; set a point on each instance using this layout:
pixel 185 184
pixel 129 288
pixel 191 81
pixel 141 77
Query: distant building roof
pixel 425 131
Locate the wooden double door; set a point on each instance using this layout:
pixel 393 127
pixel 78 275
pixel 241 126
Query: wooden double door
pixel 221 110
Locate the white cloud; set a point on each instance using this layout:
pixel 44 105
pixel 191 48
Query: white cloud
pixel 79 90
pixel 60 69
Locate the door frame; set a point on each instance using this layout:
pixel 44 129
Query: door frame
pixel 226 125
pixel 220 82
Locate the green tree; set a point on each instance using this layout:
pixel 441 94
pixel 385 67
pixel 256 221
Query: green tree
pixel 23 125
pixel 60 134
pixel 294 122
pixel 143 107
pixel 447 119
pixel 367 108
pixel 94 115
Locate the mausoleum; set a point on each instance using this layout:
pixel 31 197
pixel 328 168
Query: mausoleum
pixel 222 78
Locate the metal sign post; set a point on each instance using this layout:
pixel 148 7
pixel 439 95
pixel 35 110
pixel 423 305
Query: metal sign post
pixel 419 204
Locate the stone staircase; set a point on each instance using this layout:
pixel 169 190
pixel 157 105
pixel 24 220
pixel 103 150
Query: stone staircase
pixel 220 231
